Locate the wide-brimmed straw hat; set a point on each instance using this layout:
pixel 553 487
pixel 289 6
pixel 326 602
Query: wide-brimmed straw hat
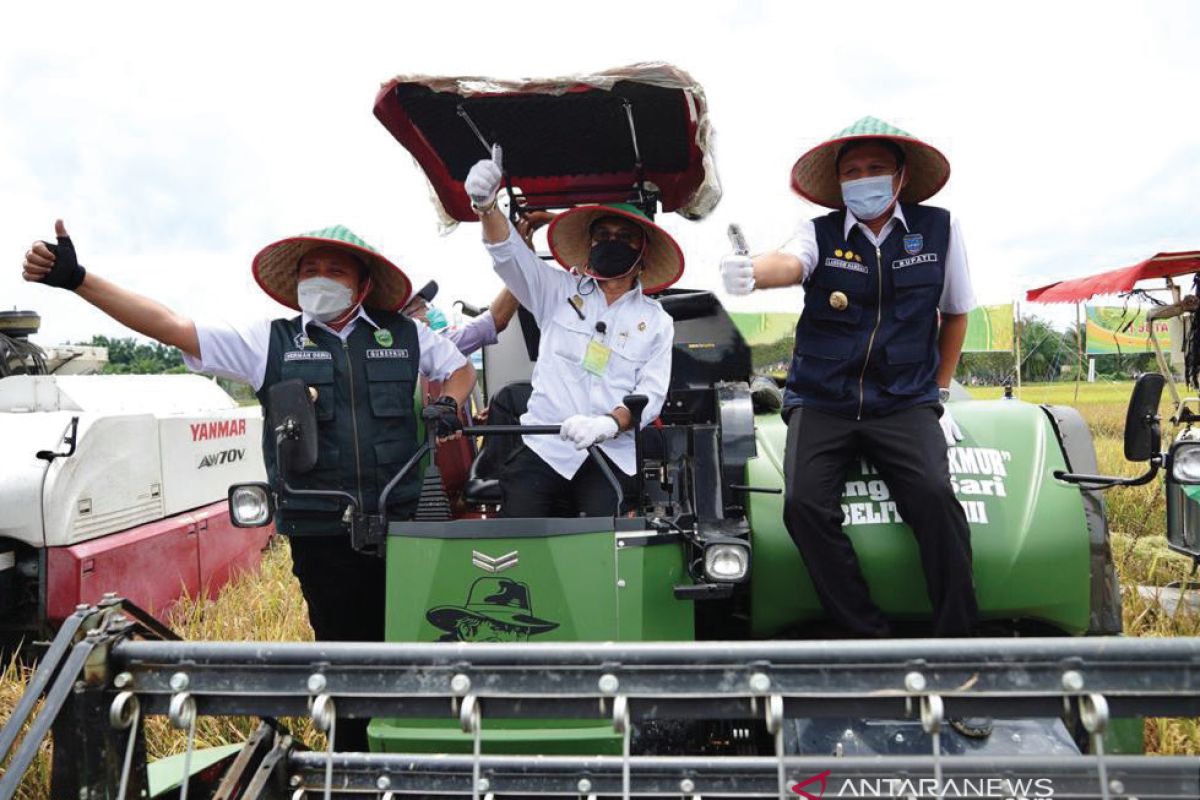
pixel 276 265
pixel 571 241
pixel 814 177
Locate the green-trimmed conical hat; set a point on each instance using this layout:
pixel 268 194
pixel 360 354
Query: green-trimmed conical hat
pixel 571 242
pixel 814 177
pixel 276 265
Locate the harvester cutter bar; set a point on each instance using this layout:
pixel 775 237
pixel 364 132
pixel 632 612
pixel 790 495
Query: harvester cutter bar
pixel 747 776
pixel 59 691
pixel 46 670
pixel 998 677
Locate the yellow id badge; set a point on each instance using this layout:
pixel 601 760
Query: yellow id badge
pixel 595 360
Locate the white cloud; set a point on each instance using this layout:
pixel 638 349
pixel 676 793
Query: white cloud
pixel 179 138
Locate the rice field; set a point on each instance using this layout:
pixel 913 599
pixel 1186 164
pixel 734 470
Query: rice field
pixel 265 606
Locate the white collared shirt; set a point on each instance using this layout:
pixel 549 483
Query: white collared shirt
pixel 636 329
pixel 240 351
pixel 958 295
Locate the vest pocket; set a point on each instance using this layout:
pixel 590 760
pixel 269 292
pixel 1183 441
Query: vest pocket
pixel 910 367
pixel 325 474
pixel 390 387
pixel 827 280
pixel 918 290
pixel 318 375
pixel 818 365
pixel 389 458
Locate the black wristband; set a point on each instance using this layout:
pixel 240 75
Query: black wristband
pixel 66 272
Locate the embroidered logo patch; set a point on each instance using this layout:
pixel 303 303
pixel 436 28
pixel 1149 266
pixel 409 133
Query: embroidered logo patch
pixel 913 242
pixel 384 337
pixel 300 341
pixel 841 263
pixel 924 258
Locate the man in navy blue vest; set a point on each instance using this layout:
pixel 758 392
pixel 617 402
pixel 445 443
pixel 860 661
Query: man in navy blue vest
pixel 886 296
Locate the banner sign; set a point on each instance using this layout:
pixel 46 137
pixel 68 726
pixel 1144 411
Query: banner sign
pixel 770 336
pixel 1116 329
pixel 989 329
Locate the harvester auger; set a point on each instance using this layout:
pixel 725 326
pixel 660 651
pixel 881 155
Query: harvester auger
pixel 674 652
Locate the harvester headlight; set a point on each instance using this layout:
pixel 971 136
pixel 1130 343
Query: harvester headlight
pixel 726 563
pixel 1185 464
pixel 250 505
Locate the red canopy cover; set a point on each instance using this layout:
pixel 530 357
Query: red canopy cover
pixel 1075 290
pixel 566 140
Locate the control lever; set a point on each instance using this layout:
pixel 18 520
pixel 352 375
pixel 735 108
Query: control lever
pixel 636 403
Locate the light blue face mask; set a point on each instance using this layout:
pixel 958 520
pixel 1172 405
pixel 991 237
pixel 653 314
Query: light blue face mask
pixel 868 198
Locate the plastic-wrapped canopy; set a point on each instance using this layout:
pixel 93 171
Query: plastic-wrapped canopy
pixel 1116 281
pixel 566 140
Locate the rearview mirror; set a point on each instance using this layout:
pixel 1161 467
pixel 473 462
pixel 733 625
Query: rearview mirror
pixel 291 415
pixel 1142 436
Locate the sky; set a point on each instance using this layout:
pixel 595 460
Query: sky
pixel 177 139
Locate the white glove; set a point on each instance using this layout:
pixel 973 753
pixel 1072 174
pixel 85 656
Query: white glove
pixel 950 428
pixel 738 274
pixel 483 181
pixel 586 431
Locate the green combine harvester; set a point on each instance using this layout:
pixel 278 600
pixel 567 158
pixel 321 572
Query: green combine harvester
pixel 675 652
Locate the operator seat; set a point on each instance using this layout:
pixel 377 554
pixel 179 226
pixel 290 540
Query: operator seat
pixel 483 480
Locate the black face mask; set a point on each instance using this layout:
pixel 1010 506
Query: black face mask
pixel 611 259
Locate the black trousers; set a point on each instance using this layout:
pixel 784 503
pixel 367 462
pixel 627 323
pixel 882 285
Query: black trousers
pixel 345 591
pixel 532 488
pixel 909 451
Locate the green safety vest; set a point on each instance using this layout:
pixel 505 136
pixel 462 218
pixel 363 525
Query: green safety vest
pixel 366 419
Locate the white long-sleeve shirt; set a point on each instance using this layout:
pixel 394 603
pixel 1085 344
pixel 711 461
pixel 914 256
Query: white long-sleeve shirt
pixel 636 328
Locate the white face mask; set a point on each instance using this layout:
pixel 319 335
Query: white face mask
pixel 324 298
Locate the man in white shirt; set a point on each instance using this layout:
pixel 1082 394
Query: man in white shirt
pixel 351 345
pixel 886 296
pixel 602 338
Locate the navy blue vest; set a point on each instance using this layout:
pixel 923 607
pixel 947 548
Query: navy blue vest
pixel 879 353
pixel 366 421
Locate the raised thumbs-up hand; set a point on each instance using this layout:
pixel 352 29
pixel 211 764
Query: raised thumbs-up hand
pixel 54 264
pixel 483 181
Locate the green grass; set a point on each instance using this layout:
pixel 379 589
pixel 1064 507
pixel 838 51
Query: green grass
pixel 269 606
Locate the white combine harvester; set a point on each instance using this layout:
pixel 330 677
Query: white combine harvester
pixel 114 483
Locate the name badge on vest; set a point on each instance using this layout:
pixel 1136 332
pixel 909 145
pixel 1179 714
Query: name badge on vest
pixel 924 258
pixel 841 263
pixel 308 355
pixel 394 352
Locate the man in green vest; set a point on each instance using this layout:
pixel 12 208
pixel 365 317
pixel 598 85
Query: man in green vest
pixel 363 358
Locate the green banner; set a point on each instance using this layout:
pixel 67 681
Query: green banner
pixel 770 336
pixel 1115 329
pixel 989 329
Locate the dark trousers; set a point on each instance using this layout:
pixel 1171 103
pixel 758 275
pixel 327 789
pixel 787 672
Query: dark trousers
pixel 345 592
pixel 909 451
pixel 532 488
